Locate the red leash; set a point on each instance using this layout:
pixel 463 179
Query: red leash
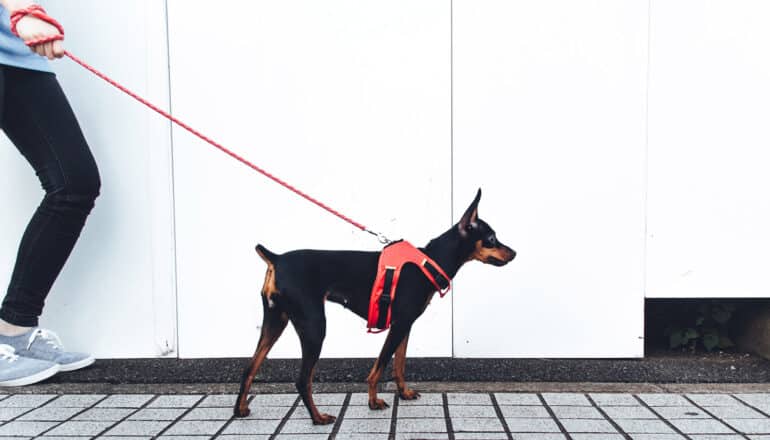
pixel 38 12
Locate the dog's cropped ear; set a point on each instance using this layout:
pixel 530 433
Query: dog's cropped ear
pixel 469 220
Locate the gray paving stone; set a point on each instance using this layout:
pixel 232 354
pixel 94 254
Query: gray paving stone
pixel 425 399
pixel 362 399
pixel 68 437
pixel 734 412
pixel 472 411
pixel 644 426
pixel 629 412
pixel 79 428
pixel 49 414
pixel 422 412
pixel 759 437
pixel 467 424
pixel 701 426
pixel 363 412
pixel 566 399
pixel 663 399
pixel 305 427
pixel 198 427
pixel 138 427
pixel 421 436
pixel 576 412
pixel 539 436
pixel 25 428
pixel 224 413
pixel 77 400
pixel 713 399
pixel 221 400
pixel 360 426
pixel 263 412
pixel 420 425
pixel 681 412
pixel 270 400
pixel 176 401
pixel 657 437
pixel 522 412
pixel 591 426
pixel 104 414
pixel 157 414
pixel 517 399
pixel 329 399
pixel 531 425
pixel 480 436
pixel 251 427
pixel 596 436
pixel 715 437
pixel 245 437
pixel 469 399
pixel 614 399
pixel 302 436
pixel 750 426
pixel 26 400
pixel 119 437
pixel 755 399
pixel 11 413
pixel 367 436
pixel 302 413
pixel 125 401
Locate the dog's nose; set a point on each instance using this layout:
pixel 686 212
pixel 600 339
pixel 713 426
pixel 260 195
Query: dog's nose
pixel 513 254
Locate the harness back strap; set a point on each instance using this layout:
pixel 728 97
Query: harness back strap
pixel 392 259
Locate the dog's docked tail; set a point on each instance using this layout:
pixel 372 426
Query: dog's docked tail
pixel 266 255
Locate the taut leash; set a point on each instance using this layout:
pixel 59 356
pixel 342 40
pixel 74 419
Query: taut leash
pixel 38 12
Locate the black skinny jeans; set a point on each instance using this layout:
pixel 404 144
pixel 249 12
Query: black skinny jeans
pixel 36 117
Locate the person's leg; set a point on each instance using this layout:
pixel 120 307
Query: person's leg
pixel 37 118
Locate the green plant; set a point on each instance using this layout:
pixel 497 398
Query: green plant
pixel 710 328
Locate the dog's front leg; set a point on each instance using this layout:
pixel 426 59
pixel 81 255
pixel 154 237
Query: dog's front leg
pixel 395 337
pixel 399 365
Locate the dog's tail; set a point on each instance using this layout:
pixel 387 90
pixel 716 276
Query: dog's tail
pixel 266 255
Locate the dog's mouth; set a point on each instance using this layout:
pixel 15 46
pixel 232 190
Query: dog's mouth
pixel 494 261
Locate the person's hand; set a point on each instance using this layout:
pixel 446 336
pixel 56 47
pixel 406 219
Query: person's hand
pixel 31 28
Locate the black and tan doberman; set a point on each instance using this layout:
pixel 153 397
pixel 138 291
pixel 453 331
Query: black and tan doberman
pixel 298 284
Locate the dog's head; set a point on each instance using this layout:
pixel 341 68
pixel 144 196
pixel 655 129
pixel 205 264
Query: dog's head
pixel 478 234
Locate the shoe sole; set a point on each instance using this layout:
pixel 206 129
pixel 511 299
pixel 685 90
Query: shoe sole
pixel 35 378
pixel 77 365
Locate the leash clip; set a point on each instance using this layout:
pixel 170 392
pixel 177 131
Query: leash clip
pixel 380 237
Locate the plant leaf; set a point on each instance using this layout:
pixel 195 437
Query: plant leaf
pixel 710 341
pixel 725 342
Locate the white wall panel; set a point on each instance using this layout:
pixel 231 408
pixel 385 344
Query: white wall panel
pixel 348 100
pixel 549 118
pixel 709 204
pixel 115 297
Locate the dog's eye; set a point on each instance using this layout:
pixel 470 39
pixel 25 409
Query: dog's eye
pixel 491 241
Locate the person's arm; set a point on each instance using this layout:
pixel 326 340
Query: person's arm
pixel 31 28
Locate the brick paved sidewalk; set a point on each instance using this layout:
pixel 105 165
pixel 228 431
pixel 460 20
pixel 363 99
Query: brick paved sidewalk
pixel 545 416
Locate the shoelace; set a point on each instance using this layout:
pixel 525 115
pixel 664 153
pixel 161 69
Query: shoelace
pixel 8 353
pixel 48 336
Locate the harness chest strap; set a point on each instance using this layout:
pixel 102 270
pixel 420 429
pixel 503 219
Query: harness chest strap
pixel 392 259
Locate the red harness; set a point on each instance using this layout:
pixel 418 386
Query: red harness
pixel 392 259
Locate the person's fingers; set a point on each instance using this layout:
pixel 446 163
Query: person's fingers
pixel 39 49
pixel 48 49
pixel 58 49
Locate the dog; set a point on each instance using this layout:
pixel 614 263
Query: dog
pixel 298 284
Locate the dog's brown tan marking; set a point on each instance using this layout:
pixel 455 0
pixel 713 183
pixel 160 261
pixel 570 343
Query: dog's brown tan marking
pixel 399 366
pixel 268 288
pixel 484 254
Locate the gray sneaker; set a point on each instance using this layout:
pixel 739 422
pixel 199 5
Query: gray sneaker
pixel 16 371
pixel 43 344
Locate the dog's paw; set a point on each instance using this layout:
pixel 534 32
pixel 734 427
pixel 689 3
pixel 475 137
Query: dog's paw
pixel 378 404
pixel 408 394
pixel 241 412
pixel 324 419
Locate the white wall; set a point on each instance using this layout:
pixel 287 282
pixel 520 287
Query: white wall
pixel 586 123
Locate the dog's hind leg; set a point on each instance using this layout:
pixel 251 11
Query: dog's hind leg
pixel 311 329
pixel 273 323
pixel 399 365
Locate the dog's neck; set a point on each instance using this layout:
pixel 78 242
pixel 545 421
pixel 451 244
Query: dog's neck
pixel 449 250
